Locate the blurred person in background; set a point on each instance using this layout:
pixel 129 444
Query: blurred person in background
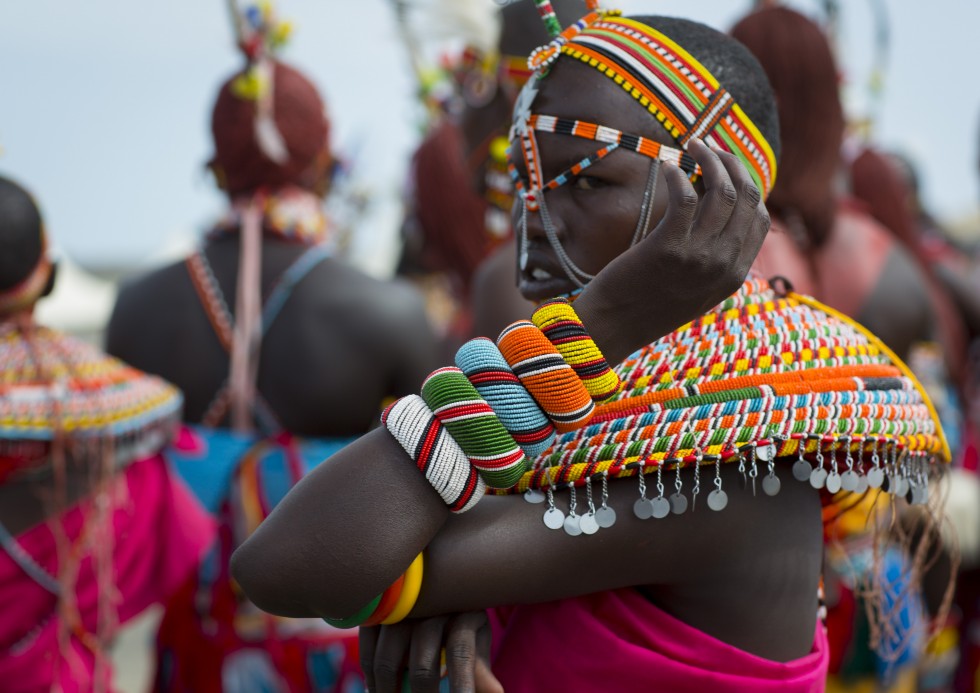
pixel 93 526
pixel 826 243
pixel 462 193
pixel 284 354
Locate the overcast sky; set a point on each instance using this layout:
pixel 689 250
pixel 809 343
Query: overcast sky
pixel 104 104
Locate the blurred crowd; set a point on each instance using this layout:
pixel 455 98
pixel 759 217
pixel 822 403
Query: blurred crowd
pixel 231 374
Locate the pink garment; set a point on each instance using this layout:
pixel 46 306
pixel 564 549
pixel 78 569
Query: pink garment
pixel 619 641
pixel 159 534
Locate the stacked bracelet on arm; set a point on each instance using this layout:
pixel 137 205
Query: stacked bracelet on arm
pixel 560 323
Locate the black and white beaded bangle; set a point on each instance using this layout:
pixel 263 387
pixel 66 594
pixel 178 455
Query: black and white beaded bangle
pixel 435 452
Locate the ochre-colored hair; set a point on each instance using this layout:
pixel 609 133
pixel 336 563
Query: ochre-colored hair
pixel 797 58
pixel 301 120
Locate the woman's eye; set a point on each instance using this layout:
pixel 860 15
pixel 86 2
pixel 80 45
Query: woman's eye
pixel 587 183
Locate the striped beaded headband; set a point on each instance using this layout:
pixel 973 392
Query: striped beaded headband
pixel 669 82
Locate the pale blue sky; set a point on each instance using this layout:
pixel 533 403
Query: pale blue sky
pixel 104 104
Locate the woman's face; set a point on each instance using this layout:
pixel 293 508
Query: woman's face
pixel 596 214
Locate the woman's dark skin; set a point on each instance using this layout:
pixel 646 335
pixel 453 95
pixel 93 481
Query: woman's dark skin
pixel 756 562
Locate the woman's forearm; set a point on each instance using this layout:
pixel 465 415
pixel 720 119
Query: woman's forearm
pixel 343 534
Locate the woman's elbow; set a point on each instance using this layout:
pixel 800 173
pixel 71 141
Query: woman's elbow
pixel 264 582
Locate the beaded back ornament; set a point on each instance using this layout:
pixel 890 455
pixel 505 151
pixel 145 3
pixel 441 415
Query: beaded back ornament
pixel 667 81
pixel 55 385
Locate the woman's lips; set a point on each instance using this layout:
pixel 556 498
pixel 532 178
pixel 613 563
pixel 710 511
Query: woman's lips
pixel 538 284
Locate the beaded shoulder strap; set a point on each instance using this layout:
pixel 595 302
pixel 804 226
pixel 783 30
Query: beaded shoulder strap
pixel 223 322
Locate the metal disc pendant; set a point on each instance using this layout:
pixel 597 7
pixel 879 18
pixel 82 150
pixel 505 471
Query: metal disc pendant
pixel 893 484
pixel 717 499
pixel 801 470
pixel 606 517
pixel 554 518
pixel 849 480
pixel 771 484
pixel 903 487
pixel 533 495
pixel 862 484
pixel 763 453
pixel 876 477
pixel 573 525
pixel 588 524
pixel 920 496
pixel 818 477
pixel 661 507
pixel 642 509
pixel 833 482
pixel 678 503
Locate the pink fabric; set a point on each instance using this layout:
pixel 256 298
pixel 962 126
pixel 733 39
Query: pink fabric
pixel 159 534
pixel 619 641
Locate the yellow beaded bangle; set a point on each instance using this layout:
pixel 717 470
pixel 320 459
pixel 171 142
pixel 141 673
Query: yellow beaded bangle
pixel 410 593
pixel 563 328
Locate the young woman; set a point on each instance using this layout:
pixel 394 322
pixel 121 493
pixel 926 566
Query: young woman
pixel 714 594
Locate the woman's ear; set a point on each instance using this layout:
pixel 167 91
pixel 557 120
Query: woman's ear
pixel 52 276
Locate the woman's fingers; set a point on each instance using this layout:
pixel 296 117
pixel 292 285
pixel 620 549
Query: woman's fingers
pixel 720 196
pixel 424 666
pixel 390 653
pixel 367 639
pixel 673 231
pixel 747 226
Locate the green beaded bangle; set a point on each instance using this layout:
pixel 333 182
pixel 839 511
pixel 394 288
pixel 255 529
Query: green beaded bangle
pixel 358 618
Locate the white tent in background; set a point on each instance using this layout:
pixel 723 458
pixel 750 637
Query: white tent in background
pixel 81 303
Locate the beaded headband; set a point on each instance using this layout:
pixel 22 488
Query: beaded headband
pixel 27 292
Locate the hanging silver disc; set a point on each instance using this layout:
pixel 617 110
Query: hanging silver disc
pixel 862 484
pixel 893 484
pixel 661 507
pixel 642 509
pixel 717 499
pixel 833 482
pixel 573 525
pixel 849 480
pixel 533 495
pixel 678 503
pixel 763 453
pixel 876 477
pixel 903 487
pixel 771 484
pixel 818 477
pixel 606 517
pixel 588 524
pixel 801 470
pixel 554 518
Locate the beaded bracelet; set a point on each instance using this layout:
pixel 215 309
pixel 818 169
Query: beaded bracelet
pixel 409 594
pixel 560 323
pixel 487 370
pixel 435 453
pixel 543 371
pixel 474 425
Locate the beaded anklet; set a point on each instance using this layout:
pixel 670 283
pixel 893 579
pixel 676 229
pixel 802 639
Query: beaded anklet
pixel 488 371
pixel 475 427
pixel 560 323
pixel 435 453
pixel 550 380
